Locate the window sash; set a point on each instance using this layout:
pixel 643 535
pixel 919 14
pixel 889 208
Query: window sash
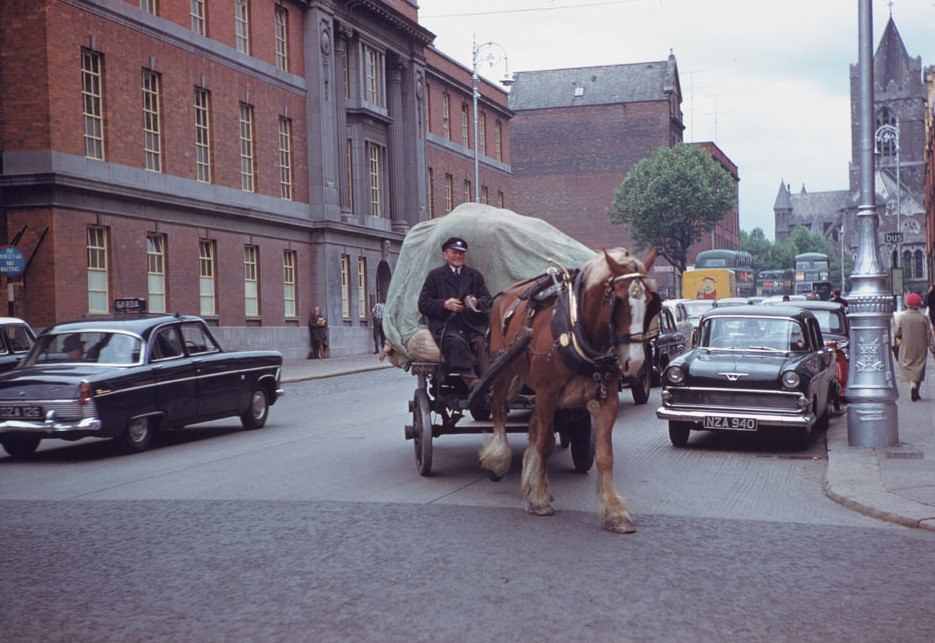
pixel 346 286
pixel 375 165
pixel 242 25
pixel 350 174
pixel 92 104
pixel 152 145
pixel 202 135
pixel 498 140
pixel 246 149
pixel 149 6
pixel 288 283
pixel 206 272
pixel 98 297
pixel 282 38
pixel 285 158
pixel 446 116
pixel 482 134
pixel 250 282
pixel 449 193
pixel 373 76
pixel 465 133
pixel 198 16
pixel 362 287
pixel 156 272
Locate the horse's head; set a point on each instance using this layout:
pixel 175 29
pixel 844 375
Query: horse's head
pixel 632 301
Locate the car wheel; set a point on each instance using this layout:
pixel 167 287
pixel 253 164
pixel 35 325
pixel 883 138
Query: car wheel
pixel 678 433
pixel 643 385
pixel 20 448
pixel 137 436
pixel 258 411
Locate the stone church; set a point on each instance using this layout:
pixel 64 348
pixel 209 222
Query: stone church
pixel 900 105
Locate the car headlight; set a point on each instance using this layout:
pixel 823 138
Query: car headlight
pixel 790 379
pixel 675 374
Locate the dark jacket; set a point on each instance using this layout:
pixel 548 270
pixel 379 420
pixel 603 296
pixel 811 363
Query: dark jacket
pixel 439 285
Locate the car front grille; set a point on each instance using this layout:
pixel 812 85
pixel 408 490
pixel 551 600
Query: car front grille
pixel 738 399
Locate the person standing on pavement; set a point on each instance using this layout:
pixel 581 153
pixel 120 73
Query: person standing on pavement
pixel 913 337
pixel 455 302
pixel 317 334
pixel 376 316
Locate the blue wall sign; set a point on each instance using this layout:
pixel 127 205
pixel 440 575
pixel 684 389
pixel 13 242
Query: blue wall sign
pixel 12 262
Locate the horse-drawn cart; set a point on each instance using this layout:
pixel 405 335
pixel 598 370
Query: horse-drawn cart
pixel 507 248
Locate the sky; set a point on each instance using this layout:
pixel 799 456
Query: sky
pixel 768 81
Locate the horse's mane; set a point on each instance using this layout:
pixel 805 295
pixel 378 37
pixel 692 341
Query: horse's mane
pixel 596 270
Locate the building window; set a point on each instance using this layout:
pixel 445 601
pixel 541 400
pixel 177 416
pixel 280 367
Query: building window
pixel 498 140
pixel 93 104
pixel 288 283
pixel 206 272
pixel 282 38
pixel 149 6
pixel 362 288
pixel 919 265
pixel 152 145
pixel 464 125
pixel 886 146
pixel 198 16
pixel 482 134
pixel 242 25
pixel 156 272
pixel 251 292
pixel 428 107
pixel 375 155
pixel 467 192
pixel 202 135
pixel 349 197
pixel 246 148
pixel 346 67
pixel 484 196
pixel 499 199
pixel 449 193
pixel 374 92
pixel 446 116
pixel 285 158
pixel 431 195
pixel 98 298
pixel 346 286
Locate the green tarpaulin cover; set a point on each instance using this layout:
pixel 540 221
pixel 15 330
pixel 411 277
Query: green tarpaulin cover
pixel 504 246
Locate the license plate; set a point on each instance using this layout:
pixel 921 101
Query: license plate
pixel 28 412
pixel 733 424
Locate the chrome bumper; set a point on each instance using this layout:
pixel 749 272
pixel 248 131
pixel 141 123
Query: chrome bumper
pixel 48 427
pixel 762 419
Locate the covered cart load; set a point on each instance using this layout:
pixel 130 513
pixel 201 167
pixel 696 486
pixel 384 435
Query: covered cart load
pixel 504 246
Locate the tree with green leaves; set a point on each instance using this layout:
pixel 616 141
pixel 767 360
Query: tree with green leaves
pixel 672 198
pixel 780 255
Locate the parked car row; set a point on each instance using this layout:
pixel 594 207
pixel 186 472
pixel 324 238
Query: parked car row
pixel 127 377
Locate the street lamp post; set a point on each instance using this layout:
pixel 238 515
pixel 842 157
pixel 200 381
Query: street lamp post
pixel 872 415
pixel 886 136
pixel 475 87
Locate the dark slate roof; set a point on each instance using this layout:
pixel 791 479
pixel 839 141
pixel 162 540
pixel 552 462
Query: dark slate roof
pixel 601 85
pixel 822 206
pixel 783 200
pixel 891 60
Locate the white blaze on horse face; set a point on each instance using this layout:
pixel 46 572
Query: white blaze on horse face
pixel 631 354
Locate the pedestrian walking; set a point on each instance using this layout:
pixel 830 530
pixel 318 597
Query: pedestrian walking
pixel 376 316
pixel 914 338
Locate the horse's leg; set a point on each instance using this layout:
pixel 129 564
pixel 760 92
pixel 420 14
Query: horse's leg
pixel 535 479
pixel 496 455
pixel 614 513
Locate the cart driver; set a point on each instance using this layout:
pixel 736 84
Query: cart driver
pixel 455 302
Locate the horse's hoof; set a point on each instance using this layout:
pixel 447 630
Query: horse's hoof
pixel 540 511
pixel 619 525
pixel 494 477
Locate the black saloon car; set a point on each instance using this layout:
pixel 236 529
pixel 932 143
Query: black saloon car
pixel 16 338
pixel 667 345
pixel 126 378
pixel 754 367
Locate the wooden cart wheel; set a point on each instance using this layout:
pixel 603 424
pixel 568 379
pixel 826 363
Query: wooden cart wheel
pixel 422 432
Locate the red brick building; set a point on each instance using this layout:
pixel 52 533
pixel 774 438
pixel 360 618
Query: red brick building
pixel 575 135
pixel 244 160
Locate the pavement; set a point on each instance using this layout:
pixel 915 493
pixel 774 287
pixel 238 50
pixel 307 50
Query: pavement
pixel 895 484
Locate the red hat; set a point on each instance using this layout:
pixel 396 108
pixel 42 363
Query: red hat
pixel 913 300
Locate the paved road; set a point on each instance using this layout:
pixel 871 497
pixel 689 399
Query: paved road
pixel 317 528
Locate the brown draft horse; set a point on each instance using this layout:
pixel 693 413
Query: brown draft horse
pixel 610 313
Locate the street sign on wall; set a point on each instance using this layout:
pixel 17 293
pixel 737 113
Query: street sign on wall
pixel 12 261
pixel 893 237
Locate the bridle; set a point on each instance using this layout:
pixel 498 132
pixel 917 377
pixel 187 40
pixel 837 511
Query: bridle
pixel 636 290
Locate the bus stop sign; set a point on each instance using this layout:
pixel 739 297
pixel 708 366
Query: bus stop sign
pixel 12 262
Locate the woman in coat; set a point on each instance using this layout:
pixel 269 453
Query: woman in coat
pixel 914 336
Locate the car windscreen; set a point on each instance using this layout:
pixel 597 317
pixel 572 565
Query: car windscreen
pixel 86 347
pixel 19 337
pixel 698 307
pixel 769 333
pixel 830 321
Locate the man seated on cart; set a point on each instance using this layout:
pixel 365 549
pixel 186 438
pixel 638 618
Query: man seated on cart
pixel 456 303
